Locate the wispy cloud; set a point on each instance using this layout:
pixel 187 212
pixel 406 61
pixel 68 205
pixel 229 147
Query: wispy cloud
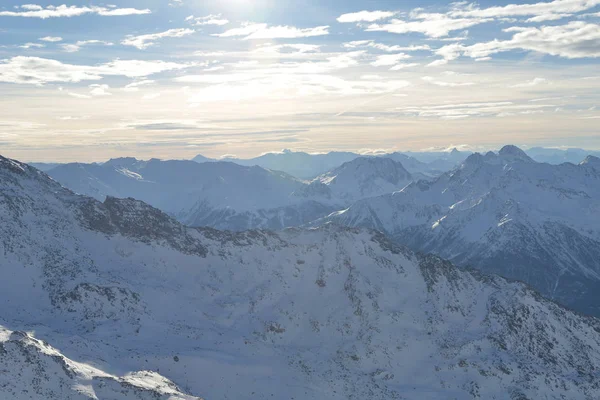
pixel 144 41
pixel 212 19
pixel 264 31
pixel 74 47
pixel 365 16
pixel 39 71
pixel 389 59
pixel 533 82
pixel 37 11
pixel 576 39
pixel 32 45
pixel 51 39
pixel 384 47
pixel 432 25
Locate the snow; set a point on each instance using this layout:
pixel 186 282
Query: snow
pixel 499 207
pixel 329 312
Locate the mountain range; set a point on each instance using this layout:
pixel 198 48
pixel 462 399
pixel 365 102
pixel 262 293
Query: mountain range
pixel 226 195
pixel 95 290
pixel 502 213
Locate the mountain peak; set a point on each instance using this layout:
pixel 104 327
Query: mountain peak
pixel 591 161
pixel 200 159
pixel 514 153
pixel 121 161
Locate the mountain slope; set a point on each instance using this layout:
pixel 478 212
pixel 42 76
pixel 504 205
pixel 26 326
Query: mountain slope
pixel 357 179
pixel 32 369
pixel 217 194
pixel 225 195
pixel 506 214
pixel 333 313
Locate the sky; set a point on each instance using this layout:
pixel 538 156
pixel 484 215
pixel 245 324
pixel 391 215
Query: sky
pixel 87 81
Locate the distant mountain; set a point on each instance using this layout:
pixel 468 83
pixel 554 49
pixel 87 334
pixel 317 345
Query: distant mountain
pixel 358 179
pixel 225 195
pixel 201 159
pixel 93 290
pixel 217 194
pixel 308 166
pixel 44 166
pixel 299 164
pixel 503 213
pixel 440 160
pixel 559 156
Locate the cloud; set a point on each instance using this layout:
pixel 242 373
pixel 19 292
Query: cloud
pixel 444 83
pixel 384 47
pixel 175 3
pixel 365 16
pixel 36 11
pixel 533 82
pixel 264 31
pixel 32 45
pixel 51 39
pixel 431 24
pixel 39 71
pixel 135 86
pixel 468 110
pixel 402 66
pixel 519 10
pixel 288 48
pixel 74 47
pixel 144 41
pixel 287 85
pixel 99 90
pixel 79 96
pixel 389 59
pixel 577 39
pixel 256 71
pixel 212 19
pixel 547 17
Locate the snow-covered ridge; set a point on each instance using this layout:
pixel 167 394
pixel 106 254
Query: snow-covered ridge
pixel 503 213
pixel 33 369
pixel 333 312
pixel 229 196
pixel 357 179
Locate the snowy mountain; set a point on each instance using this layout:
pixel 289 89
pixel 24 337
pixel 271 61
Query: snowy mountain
pixel 96 290
pixel 308 166
pixel 225 195
pixel 358 179
pixel 217 194
pixel 503 213
pixel 559 156
pixel 297 163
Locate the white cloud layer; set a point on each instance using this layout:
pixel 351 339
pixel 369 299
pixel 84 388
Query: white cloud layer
pixel 36 11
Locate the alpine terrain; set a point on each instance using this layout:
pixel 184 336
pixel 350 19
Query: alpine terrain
pixel 95 290
pixel 225 195
pixel 506 214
